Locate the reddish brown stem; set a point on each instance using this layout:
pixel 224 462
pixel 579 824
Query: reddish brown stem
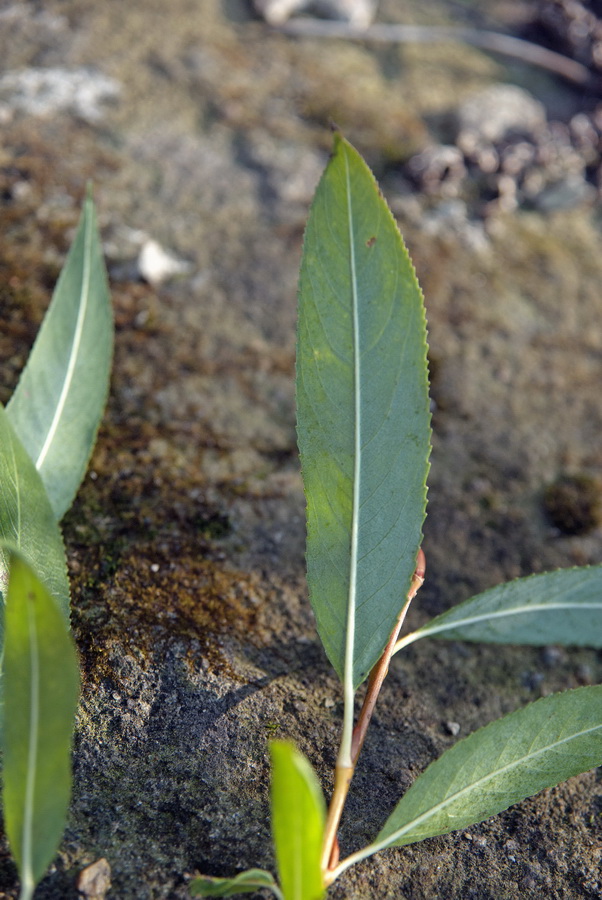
pixel 344 774
pixel 379 672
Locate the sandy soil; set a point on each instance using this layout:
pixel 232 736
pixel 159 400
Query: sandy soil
pixel 186 541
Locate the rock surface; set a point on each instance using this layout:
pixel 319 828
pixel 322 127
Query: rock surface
pixel 186 540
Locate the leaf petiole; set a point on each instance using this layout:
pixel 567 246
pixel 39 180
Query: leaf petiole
pixel 379 672
pixel 344 773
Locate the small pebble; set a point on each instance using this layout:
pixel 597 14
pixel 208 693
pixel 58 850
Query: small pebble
pixel 553 656
pixel 359 13
pixel 453 728
pixel 156 265
pixel 532 680
pixel 95 880
pixel 585 674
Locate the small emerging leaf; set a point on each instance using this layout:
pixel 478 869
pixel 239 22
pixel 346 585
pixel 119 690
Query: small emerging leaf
pixel 515 757
pixel 562 607
pixel 298 816
pixel 27 522
pixel 41 688
pixel 246 883
pixel 59 401
pixel 362 414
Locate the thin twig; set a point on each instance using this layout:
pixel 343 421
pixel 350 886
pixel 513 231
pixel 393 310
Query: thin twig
pixel 426 34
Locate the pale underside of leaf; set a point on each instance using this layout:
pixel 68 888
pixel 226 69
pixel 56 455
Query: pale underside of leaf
pixel 27 522
pixel 511 759
pixel 363 415
pixel 561 607
pixel 58 403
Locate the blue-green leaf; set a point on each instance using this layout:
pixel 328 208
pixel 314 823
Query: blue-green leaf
pixel 298 816
pixel 513 758
pixel 59 401
pixel 27 522
pixel 245 883
pixel 41 688
pixel 363 414
pixel 562 607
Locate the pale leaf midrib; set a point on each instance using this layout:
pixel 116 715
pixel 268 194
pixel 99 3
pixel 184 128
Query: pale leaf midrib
pixel 351 608
pixel 503 614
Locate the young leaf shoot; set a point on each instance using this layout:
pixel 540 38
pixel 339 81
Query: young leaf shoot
pixel 60 398
pixel 248 882
pixel 27 522
pixel 41 687
pixel 298 814
pixel 46 437
pixel 364 439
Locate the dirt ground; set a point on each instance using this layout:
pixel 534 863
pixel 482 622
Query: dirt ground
pixel 186 541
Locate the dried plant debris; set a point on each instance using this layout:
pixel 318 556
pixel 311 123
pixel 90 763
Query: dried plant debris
pixel 569 27
pixel 506 154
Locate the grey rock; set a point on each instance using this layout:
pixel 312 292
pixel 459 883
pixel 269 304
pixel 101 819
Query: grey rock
pixel 565 194
pixel 44 92
pixel 492 114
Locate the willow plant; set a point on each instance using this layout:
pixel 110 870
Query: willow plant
pixel 364 440
pixel 47 434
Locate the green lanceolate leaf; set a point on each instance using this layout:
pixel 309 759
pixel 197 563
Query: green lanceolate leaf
pixel 246 883
pixel 58 403
pixel 563 607
pixel 298 816
pixel 41 687
pixel 1 668
pixel 27 522
pixel 515 757
pixel 363 414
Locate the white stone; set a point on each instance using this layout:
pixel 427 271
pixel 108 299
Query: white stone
pixel 156 265
pixel 358 13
